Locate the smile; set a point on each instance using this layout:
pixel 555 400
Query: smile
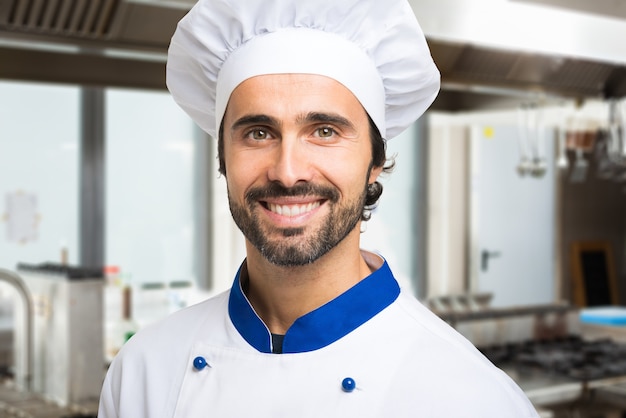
pixel 293 210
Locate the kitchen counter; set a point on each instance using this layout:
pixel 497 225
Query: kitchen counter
pixel 543 389
pixel 615 394
pixel 15 403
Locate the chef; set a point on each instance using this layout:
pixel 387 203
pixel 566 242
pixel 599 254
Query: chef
pixel 301 96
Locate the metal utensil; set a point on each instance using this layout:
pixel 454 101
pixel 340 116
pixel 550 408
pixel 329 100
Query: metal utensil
pixel 536 137
pixel 562 161
pixel 579 170
pixel 524 166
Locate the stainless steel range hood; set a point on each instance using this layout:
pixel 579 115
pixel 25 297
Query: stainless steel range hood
pixel 123 43
pixel 134 24
pixel 90 42
pixel 480 77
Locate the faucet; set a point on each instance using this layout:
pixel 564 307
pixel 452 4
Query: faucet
pixel 20 286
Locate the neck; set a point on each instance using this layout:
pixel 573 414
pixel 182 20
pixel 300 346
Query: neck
pixel 280 295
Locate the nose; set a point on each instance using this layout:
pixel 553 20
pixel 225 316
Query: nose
pixel 291 163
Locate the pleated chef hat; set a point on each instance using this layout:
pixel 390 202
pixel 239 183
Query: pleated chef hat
pixel 375 48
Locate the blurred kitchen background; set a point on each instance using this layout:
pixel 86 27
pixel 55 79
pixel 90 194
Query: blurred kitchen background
pixel 506 213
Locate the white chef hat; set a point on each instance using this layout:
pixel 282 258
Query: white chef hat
pixel 375 48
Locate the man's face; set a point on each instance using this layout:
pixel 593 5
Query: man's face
pixel 298 156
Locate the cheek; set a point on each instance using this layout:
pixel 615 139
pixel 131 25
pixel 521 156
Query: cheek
pixel 346 168
pixel 234 172
pixel 237 179
pixel 242 172
pixel 347 175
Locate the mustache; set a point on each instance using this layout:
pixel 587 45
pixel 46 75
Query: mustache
pixel 276 190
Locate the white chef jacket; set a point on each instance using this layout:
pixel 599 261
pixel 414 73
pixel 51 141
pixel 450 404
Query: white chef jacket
pixel 403 361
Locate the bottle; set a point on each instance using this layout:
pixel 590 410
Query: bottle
pixel 125 326
pixel 128 326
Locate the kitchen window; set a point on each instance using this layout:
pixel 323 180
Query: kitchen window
pixel 149 187
pixel 39 173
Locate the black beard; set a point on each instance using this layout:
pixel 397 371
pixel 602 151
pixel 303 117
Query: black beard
pixel 340 221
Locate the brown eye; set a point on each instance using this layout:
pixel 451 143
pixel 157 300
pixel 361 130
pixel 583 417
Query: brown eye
pixel 259 134
pixel 325 132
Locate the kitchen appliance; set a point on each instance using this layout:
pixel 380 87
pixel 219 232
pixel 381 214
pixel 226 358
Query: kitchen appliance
pixel 565 362
pixel 568 358
pixel 67 336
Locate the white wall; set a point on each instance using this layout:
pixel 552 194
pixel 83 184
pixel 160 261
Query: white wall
pixel 448 209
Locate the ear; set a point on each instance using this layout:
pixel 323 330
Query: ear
pixel 374 173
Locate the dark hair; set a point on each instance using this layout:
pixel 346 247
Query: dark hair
pixel 379 159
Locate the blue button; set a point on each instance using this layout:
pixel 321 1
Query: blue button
pixel 199 363
pixel 348 384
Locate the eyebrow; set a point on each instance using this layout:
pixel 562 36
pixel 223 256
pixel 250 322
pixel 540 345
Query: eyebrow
pixel 254 120
pixel 332 118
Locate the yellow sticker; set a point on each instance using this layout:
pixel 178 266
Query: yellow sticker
pixel 488 132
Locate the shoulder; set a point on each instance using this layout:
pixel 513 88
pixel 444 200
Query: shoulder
pixel 152 364
pixel 175 333
pixel 451 368
pixel 186 321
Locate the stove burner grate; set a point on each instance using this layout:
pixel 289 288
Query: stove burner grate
pixel 570 357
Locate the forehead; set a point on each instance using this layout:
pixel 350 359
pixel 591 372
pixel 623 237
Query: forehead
pixel 285 95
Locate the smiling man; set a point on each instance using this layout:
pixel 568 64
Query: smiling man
pixel 300 95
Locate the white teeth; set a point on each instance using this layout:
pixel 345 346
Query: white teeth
pixel 292 210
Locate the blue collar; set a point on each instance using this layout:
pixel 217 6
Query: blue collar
pixel 324 325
